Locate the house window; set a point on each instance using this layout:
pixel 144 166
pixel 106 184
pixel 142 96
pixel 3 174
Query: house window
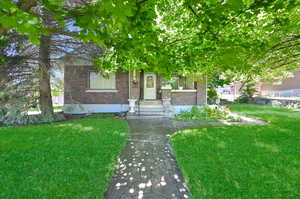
pixel 183 83
pixel 99 82
pixel 150 82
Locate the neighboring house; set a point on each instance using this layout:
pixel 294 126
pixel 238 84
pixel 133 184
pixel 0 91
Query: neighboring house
pixel 289 87
pixel 229 92
pixel 143 93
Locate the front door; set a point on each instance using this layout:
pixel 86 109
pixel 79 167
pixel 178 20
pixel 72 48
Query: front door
pixel 149 86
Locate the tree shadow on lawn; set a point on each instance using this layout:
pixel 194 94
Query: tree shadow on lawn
pixel 242 161
pixel 73 159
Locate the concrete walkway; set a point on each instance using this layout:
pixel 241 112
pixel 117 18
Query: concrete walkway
pixel 147 168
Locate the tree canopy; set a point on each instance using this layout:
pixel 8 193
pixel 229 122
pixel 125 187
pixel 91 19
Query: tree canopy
pixel 259 37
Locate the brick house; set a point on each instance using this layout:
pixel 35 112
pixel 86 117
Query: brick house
pixel 139 93
pixel 289 87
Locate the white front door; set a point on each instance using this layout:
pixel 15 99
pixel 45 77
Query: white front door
pixel 149 86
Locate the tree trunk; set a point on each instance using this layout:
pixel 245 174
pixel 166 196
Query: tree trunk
pixel 45 99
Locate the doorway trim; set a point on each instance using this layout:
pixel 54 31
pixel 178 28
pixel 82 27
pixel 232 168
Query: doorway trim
pixel 150 86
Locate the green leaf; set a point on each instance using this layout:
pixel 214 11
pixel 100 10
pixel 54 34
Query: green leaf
pixel 13 9
pixel 58 3
pixel 236 4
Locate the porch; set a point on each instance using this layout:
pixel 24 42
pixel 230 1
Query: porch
pixel 150 96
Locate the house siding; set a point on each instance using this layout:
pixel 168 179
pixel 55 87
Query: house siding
pixel 76 85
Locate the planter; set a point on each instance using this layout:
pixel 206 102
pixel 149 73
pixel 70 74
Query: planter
pixel 132 105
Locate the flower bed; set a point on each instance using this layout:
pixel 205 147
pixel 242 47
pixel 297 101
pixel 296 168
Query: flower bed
pixel 211 113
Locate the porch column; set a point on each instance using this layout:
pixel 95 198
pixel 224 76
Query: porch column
pixel 134 90
pixel 166 100
pixel 201 93
pixel 134 85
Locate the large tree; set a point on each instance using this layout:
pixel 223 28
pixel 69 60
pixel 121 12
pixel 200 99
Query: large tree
pixel 245 37
pixel 249 38
pixel 98 21
pixel 18 89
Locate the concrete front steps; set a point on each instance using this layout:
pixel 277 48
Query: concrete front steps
pixel 149 109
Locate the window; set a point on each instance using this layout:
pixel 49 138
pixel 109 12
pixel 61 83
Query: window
pixel 150 82
pixel 183 83
pixel 99 82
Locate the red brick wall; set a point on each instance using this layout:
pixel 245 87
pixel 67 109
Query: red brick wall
pixel 76 84
pixel 184 98
pixel 190 98
pixel 287 84
pixel 201 93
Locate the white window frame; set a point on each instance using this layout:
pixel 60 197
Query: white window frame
pixel 100 90
pixel 184 90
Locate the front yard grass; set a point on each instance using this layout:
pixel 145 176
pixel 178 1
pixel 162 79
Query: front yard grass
pixel 73 159
pixel 243 161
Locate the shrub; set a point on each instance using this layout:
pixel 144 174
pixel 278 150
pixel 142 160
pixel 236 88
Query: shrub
pixel 293 106
pixel 247 93
pixel 276 103
pixel 212 95
pixel 209 113
pixel 193 115
pixel 16 116
pixel 219 113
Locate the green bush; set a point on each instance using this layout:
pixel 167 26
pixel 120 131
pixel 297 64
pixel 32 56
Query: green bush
pixel 219 113
pixel 247 93
pixel 212 95
pixel 197 114
pixel 16 116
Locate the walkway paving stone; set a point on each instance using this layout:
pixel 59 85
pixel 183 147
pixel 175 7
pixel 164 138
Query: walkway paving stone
pixel 147 169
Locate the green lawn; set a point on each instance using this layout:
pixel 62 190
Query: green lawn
pixel 243 161
pixel 72 159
